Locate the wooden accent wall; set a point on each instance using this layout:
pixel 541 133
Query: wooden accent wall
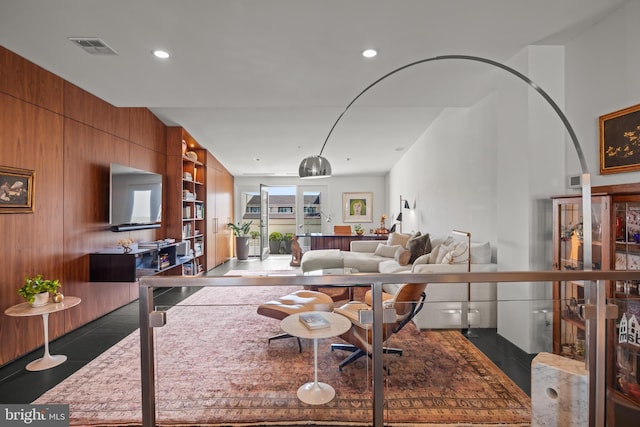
pixel 69 137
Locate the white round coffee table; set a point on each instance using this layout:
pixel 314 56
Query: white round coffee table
pixel 316 393
pixel 24 309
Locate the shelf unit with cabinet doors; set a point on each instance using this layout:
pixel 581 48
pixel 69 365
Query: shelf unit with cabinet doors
pixel 616 246
pixel 220 212
pixel 625 339
pixel 568 251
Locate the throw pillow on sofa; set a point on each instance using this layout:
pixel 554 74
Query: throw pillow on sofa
pixel 386 250
pixel 398 239
pixel 457 255
pixel 402 256
pixel 445 248
pixel 418 246
pixel 480 253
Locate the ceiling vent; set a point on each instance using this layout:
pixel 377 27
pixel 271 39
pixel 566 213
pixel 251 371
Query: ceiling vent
pixel 93 45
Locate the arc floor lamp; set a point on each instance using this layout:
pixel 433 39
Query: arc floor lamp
pixel 318 167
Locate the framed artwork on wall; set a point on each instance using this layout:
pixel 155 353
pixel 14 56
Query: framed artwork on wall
pixel 16 190
pixel 357 207
pixel 620 141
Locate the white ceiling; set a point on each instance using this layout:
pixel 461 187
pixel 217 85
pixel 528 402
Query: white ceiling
pixel 266 79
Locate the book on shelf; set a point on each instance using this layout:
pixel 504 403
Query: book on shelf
pixel 187 269
pixel 314 320
pixel 164 260
pixel 152 245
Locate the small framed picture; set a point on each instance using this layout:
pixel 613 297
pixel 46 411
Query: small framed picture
pixel 357 207
pixel 16 190
pixel 620 141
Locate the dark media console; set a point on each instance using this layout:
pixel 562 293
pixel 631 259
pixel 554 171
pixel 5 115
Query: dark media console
pixel 116 265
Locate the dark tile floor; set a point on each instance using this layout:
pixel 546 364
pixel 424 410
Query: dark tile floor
pixel 84 344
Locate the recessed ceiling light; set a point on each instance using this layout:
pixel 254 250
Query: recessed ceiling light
pixel 369 53
pixel 162 54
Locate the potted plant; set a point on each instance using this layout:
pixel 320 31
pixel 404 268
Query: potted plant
pixel 358 229
pixel 275 238
pixel 287 239
pixel 37 290
pixel 241 231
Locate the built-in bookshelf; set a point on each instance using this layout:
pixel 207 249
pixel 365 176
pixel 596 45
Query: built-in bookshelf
pixel 193 184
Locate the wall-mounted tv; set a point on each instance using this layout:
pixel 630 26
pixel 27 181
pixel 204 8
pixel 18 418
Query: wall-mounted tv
pixel 135 198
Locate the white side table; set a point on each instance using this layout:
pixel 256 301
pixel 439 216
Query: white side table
pixel 316 393
pixel 24 309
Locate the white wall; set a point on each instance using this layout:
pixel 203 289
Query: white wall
pixel 450 176
pixel 487 169
pixel 528 157
pixel 531 140
pixel 603 69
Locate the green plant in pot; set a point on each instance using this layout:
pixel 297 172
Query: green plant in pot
pixel 241 231
pixel 34 286
pixel 275 239
pixel 287 238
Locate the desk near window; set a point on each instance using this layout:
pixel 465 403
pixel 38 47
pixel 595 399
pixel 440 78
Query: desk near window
pixel 337 241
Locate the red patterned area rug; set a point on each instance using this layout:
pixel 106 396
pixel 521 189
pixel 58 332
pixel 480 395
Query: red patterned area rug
pixel 215 368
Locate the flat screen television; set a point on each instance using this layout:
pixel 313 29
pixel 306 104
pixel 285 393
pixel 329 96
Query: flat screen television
pixel 135 198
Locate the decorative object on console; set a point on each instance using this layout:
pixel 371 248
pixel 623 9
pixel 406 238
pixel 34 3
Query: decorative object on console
pixel 619 136
pixel 16 190
pixel 126 244
pixel 357 207
pixel 382 229
pixel 36 290
pixel 358 229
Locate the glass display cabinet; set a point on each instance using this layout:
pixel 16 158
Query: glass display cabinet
pixel 615 246
pixel 625 379
pixel 568 327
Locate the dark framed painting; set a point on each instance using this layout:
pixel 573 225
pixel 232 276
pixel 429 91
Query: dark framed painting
pixel 16 190
pixel 620 141
pixel 357 207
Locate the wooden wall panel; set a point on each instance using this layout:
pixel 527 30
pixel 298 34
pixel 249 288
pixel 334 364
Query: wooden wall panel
pixel 91 110
pixel 71 152
pixel 31 138
pixel 70 138
pixel 26 81
pixel 147 130
pixel 88 153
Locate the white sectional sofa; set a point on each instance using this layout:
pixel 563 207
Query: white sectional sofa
pixel 444 301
